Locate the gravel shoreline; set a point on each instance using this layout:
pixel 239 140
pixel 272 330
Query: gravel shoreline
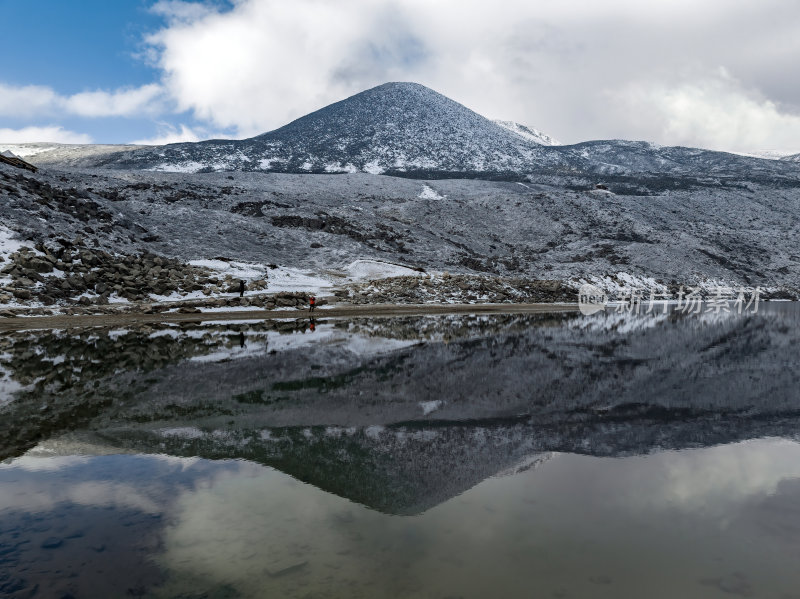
pixel 61 321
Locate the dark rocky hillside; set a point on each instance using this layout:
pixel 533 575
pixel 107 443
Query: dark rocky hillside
pixel 671 228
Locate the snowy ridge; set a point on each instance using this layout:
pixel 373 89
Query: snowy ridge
pixel 767 154
pixel 65 154
pixel 410 130
pixel 528 133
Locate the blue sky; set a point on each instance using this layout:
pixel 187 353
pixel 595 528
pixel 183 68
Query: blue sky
pixel 74 47
pixel 80 46
pixel 714 74
pixel 77 45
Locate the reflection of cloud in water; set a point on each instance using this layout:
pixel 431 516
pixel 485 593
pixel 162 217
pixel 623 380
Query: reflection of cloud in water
pixel 710 482
pixel 727 474
pixel 544 525
pixel 30 498
pixel 41 484
pixel 33 493
pixel 43 463
pixel 87 526
pixel 683 522
pixel 248 528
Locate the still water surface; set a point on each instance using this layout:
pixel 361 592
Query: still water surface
pixel 503 456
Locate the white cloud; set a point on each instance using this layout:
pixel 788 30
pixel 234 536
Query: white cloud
pixel 27 100
pixel 146 99
pixel 560 67
pixel 260 65
pixel 715 112
pixel 177 11
pixel 52 133
pixel 33 101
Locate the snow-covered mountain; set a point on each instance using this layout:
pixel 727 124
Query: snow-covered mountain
pixel 410 130
pixel 392 128
pixel 528 133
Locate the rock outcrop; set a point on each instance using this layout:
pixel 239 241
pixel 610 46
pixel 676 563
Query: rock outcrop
pixel 63 271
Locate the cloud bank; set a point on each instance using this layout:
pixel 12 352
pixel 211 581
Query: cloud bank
pixel 51 133
pixel 36 101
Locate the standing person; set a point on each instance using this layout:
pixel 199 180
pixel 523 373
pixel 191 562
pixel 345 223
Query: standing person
pixel 312 303
pixel 241 287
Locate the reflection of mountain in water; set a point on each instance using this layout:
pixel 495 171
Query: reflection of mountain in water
pixel 407 427
pixel 397 470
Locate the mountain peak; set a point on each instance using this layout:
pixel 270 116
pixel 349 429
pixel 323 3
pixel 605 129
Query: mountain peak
pixel 401 85
pixel 398 127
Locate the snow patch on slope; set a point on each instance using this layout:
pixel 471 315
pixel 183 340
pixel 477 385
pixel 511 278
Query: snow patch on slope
pixel 528 133
pixel 373 269
pixel 281 278
pixel 8 242
pixel 373 167
pixel 190 166
pixel 428 193
pixel 768 154
pixel 8 245
pixel 292 279
pixel 238 270
pixel 430 406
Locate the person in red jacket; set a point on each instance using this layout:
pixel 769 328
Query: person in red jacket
pixel 312 303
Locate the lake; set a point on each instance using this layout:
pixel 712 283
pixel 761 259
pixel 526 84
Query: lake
pixel 548 455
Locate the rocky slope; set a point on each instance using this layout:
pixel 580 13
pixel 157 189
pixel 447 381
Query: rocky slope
pixel 666 230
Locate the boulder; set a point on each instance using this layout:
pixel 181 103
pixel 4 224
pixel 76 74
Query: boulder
pixel 35 276
pixel 76 282
pixel 39 264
